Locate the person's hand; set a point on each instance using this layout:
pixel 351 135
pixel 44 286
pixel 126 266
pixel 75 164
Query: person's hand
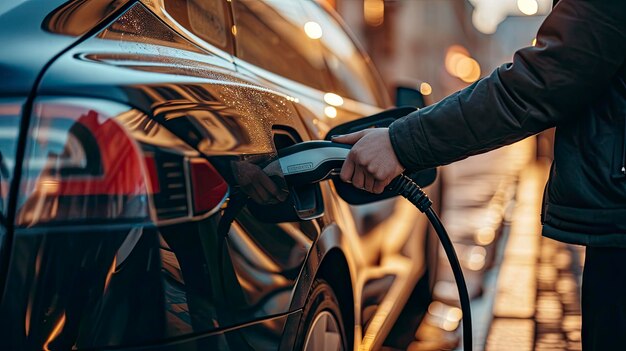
pixel 372 163
pixel 258 185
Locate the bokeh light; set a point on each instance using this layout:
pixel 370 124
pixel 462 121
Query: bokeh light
pixel 459 64
pixel 374 12
pixel 333 99
pixel 313 30
pixel 330 112
pixel 528 7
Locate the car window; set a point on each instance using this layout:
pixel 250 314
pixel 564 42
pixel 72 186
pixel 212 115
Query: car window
pixel 351 74
pixel 277 36
pixel 207 19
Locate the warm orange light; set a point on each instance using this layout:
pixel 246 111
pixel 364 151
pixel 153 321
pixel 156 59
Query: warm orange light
pixel 453 55
pixel 55 332
pixel 233 29
pixel 374 12
pixel 454 314
pixel 476 258
pixel 426 89
pixel 110 272
pixel 330 112
pixel 459 64
pixel 485 236
pixel 50 186
pixel 447 317
pixel 29 310
pixel 464 67
pixel 534 43
pixel 469 70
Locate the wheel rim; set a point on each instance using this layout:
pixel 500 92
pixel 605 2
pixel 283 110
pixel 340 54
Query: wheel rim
pixel 323 335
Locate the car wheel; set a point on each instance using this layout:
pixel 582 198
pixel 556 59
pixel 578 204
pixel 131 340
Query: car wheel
pixel 321 326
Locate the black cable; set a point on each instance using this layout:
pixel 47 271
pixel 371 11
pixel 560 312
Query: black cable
pixel 406 187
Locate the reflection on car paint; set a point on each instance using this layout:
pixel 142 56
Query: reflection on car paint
pixel 10 113
pixel 178 272
pixel 213 120
pixel 75 18
pixel 138 30
pixel 80 163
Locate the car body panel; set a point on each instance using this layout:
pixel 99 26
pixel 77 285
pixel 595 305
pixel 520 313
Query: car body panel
pixel 187 277
pixel 218 116
pixel 267 334
pixel 10 116
pixel 50 22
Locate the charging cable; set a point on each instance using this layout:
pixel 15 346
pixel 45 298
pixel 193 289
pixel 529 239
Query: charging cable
pixel 408 189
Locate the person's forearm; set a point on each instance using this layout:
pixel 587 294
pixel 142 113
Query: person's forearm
pixel 455 128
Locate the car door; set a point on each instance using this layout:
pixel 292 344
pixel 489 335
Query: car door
pixel 392 234
pixel 207 132
pixel 342 89
pixel 266 258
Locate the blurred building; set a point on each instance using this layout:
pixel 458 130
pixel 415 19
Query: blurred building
pixel 448 44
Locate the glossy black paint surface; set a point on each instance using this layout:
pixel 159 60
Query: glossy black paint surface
pixel 45 28
pixel 174 276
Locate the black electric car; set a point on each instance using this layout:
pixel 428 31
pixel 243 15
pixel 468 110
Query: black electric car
pixel 137 210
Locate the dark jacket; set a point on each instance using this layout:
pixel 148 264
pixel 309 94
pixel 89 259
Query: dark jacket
pixel 574 79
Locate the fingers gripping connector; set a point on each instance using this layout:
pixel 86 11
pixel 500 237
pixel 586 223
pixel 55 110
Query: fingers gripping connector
pixel 408 189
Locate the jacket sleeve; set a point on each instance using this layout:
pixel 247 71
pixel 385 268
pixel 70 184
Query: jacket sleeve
pixel 581 47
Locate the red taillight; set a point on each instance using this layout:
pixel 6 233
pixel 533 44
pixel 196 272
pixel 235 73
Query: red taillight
pixel 208 187
pixel 151 169
pixel 120 160
pixel 81 165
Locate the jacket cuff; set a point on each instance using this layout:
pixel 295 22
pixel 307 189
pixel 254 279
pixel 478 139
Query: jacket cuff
pixel 404 135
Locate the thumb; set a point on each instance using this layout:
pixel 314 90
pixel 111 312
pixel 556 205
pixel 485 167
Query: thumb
pixel 348 138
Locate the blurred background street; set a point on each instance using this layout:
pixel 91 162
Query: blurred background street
pixel 524 288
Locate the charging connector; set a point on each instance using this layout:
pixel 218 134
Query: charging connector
pixel 315 161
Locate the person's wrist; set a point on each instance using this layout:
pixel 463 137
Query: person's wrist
pixel 392 132
pixel 394 153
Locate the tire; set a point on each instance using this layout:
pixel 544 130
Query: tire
pixel 321 326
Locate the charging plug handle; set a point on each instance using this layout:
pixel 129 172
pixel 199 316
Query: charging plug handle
pixel 313 161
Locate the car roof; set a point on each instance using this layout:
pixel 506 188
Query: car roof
pixel 33 33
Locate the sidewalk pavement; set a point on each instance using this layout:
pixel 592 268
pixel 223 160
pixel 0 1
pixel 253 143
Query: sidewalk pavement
pixel 525 292
pixel 537 300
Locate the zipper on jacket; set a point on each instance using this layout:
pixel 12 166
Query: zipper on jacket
pixel 623 169
pixel 623 166
pixel 618 168
pixel 619 157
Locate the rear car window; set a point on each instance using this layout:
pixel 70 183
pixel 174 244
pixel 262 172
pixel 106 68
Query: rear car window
pixel 276 35
pixel 207 19
pixel 351 73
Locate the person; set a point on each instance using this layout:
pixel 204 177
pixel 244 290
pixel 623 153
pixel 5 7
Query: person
pixel 573 79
